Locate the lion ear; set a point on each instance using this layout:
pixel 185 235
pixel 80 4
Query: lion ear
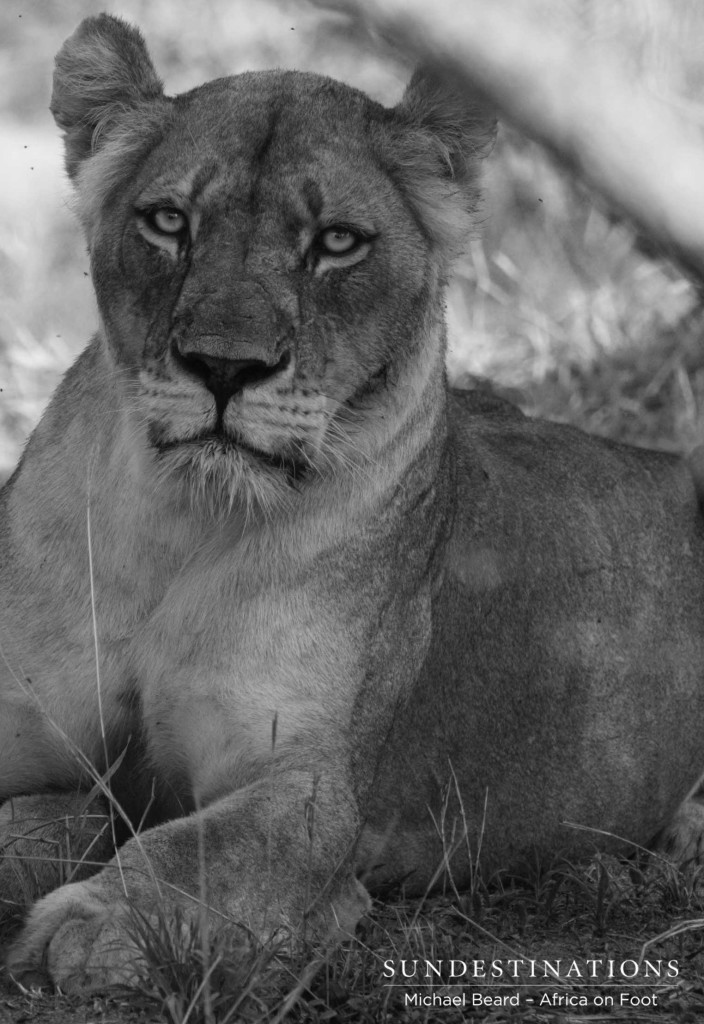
pixel 101 71
pixel 462 128
pixel 445 133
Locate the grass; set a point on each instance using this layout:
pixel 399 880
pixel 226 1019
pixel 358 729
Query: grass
pixel 618 934
pixel 562 307
pixel 609 910
pixel 47 850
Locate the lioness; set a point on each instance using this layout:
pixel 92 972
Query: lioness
pixel 311 614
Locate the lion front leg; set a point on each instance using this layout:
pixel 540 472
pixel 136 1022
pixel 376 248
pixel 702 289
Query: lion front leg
pixel 276 854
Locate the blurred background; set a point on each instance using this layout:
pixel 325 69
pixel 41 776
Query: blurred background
pixel 558 303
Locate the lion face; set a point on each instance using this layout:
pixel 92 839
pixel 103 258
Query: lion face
pixel 241 274
pixel 263 251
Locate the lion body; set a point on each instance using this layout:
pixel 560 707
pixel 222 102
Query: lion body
pixel 566 645
pixel 307 609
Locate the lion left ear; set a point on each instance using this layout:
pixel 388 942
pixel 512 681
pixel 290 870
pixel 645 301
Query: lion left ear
pixel 443 133
pixel 461 126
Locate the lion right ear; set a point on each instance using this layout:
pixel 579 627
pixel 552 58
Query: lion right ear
pixel 101 71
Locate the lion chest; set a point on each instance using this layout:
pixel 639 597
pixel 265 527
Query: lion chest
pixel 232 676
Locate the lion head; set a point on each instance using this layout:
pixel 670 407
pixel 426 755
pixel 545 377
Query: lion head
pixel 265 251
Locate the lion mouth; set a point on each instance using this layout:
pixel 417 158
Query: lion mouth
pixel 292 462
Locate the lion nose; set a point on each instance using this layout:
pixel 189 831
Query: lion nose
pixel 225 377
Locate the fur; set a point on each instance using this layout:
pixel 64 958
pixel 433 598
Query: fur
pixel 302 613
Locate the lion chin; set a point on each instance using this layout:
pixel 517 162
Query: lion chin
pixel 221 475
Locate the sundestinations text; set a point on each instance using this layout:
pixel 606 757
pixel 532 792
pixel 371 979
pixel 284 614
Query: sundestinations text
pixel 475 970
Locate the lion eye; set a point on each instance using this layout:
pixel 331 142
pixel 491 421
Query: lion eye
pixel 168 220
pixel 338 240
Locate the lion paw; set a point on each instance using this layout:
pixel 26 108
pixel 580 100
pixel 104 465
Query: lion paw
pixel 76 941
pixel 682 841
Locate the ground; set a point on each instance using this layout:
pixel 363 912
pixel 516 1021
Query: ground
pixel 607 917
